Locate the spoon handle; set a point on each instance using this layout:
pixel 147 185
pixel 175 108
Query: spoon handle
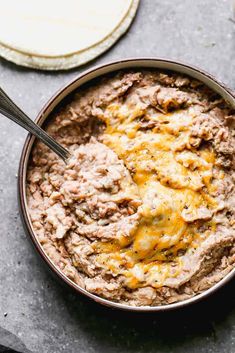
pixel 13 112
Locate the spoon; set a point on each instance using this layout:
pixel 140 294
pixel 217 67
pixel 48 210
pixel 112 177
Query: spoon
pixel 13 112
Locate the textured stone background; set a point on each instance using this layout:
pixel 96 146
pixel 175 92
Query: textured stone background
pixel 33 306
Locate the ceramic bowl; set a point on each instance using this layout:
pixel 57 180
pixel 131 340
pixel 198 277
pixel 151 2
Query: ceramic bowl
pixel 44 115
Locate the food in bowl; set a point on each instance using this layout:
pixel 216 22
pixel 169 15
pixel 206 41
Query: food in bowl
pixel 143 213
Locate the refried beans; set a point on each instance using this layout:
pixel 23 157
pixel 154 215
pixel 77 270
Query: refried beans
pixel 143 212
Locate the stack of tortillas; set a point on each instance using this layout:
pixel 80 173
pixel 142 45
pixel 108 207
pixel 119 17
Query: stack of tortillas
pixel 61 34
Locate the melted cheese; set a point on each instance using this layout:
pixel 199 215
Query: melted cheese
pixel 172 177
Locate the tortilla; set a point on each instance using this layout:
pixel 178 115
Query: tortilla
pixel 69 34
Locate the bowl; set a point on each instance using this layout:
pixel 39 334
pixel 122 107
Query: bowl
pixel 44 114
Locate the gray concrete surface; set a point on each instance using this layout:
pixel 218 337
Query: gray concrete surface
pixel 37 310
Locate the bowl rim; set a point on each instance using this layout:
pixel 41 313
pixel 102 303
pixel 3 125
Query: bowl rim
pixel 49 106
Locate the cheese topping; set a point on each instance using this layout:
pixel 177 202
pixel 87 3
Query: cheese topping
pixel 174 182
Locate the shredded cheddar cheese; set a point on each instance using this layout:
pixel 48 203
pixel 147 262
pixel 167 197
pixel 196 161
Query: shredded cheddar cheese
pixel 174 182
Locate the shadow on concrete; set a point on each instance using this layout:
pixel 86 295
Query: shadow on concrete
pixel 10 343
pixel 150 332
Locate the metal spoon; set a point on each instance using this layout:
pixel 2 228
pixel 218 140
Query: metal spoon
pixel 11 111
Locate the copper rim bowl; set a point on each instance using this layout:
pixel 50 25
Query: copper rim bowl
pixel 153 63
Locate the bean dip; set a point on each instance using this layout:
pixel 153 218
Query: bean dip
pixel 143 213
